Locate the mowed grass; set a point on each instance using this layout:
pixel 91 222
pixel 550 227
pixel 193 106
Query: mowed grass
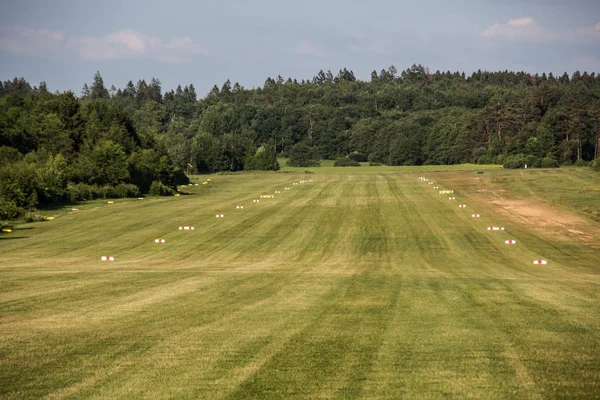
pixel 355 285
pixel 327 167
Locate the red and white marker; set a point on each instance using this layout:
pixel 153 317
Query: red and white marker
pixel 475 215
pixel 277 192
pixel 431 182
pixel 540 262
pixel 186 228
pixel 462 206
pixel 495 228
pixel 159 240
pixel 287 188
pixel 451 198
pixel 436 187
pixel 220 215
pixel 510 241
pixel 239 207
pixel 256 201
pixel 107 258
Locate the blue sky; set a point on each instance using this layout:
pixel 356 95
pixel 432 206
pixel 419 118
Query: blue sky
pixel 206 42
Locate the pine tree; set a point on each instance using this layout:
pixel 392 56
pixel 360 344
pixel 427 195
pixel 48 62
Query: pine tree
pixel 98 91
pixel 85 92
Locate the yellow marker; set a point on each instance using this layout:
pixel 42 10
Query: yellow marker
pixel 140 198
pixel 7 230
pixel 50 218
pixel 190 184
pixel 177 195
pixel 208 179
pixel 111 202
pixel 195 184
pixel 205 183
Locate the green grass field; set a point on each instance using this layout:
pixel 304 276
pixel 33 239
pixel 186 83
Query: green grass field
pixel 356 285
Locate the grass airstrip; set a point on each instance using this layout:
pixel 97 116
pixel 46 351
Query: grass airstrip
pixel 362 283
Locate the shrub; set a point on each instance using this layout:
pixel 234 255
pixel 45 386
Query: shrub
pixel 126 190
pixel 32 216
pixel 581 163
pixel 549 162
pixel 346 162
pixel 302 155
pixel 158 189
pixel 514 162
pixel 595 165
pixel 533 161
pixel 485 159
pixel 9 210
pixel 264 159
pixel 356 156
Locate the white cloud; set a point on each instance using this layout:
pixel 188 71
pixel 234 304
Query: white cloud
pixel 589 34
pixel 27 41
pixel 128 44
pixel 519 29
pixel 123 44
pixel 526 29
pixel 305 48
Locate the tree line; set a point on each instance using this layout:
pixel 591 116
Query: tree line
pixel 110 142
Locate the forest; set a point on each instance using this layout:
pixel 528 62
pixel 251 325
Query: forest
pixel 108 142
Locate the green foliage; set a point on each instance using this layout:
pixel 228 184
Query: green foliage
pixel 9 155
pixel 533 161
pixel 106 164
pixel 549 162
pixel 595 165
pixel 346 162
pixel 138 135
pixel 123 190
pixel 514 162
pixel 265 159
pixel 53 180
pixel 158 189
pixel 303 155
pixel 580 163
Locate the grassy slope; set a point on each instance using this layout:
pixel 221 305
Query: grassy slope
pixel 363 285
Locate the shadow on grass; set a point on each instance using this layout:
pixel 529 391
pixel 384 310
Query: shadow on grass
pixel 13 237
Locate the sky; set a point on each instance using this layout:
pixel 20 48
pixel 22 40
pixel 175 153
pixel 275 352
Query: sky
pixel 64 42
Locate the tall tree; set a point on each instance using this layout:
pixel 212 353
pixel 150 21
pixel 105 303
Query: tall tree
pixel 98 90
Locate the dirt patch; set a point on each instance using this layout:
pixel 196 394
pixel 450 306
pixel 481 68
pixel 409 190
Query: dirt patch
pixel 541 215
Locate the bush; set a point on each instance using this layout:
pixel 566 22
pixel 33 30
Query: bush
pixel 549 162
pixel 374 164
pixel 485 159
pixel 9 210
pixel 595 165
pixel 533 161
pixel 346 162
pixel 264 159
pixel 580 163
pixel 302 155
pixel 84 192
pixel 514 162
pixel 32 216
pixel 158 189
pixel 356 156
pixel 126 190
